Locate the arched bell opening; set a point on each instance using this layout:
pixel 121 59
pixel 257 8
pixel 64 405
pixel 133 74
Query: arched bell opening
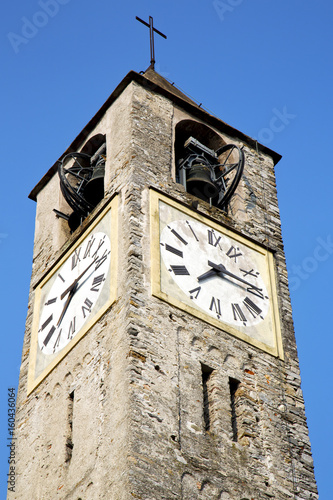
pixel 206 166
pixel 82 179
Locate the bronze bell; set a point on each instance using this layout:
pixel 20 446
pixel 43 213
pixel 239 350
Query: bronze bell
pixel 94 189
pixel 199 182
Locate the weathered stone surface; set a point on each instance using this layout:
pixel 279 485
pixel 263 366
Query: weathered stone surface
pixel 138 424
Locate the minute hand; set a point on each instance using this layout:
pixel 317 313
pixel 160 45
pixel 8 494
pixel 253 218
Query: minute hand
pixel 69 298
pixel 222 270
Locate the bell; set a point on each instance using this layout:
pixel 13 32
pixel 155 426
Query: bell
pixel 199 182
pixel 94 189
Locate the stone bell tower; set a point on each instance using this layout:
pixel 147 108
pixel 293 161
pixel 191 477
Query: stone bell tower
pixel 159 360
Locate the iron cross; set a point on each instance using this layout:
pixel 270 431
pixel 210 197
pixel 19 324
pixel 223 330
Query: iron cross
pixel 151 34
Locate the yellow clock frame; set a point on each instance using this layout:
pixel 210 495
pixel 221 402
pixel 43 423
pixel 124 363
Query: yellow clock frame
pixel 164 211
pixel 40 365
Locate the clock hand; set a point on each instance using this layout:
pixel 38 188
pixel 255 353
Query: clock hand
pixel 72 290
pixel 75 282
pixel 207 274
pixel 69 298
pixel 221 270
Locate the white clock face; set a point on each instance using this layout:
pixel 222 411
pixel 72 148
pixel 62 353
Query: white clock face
pixel 214 274
pixel 217 273
pixel 75 288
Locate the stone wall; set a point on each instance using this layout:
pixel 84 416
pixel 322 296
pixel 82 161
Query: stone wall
pixel 123 415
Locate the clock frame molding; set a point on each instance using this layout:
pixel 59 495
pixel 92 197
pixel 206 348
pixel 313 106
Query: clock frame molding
pixel 158 274
pixel 111 211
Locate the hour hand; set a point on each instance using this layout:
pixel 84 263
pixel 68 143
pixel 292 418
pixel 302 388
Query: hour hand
pixel 219 268
pixel 216 270
pixel 69 298
pixel 207 274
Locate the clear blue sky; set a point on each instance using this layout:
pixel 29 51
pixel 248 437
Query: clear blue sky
pixel 264 67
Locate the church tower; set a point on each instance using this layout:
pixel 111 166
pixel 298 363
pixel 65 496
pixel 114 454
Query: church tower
pixel 159 360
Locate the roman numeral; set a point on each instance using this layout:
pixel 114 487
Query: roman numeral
pixel 180 270
pixel 88 247
pixel 57 342
pixel 178 236
pixel 238 313
pixel 171 249
pixel 50 301
pixel 197 290
pixel 71 329
pixel 62 279
pixel 100 243
pixel 102 259
pixel 189 225
pixel 256 291
pixel 76 257
pixel 252 307
pixel 86 307
pixel 216 305
pixel 48 336
pixel 213 239
pixel 249 273
pixel 97 281
pixel 233 253
pixel 46 322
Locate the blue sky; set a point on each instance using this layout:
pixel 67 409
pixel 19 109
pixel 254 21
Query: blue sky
pixel 264 67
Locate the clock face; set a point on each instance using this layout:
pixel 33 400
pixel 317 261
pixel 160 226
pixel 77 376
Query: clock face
pixel 218 273
pixel 74 294
pixel 76 288
pixel 213 273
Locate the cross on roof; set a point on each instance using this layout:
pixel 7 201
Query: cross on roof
pixel 151 34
